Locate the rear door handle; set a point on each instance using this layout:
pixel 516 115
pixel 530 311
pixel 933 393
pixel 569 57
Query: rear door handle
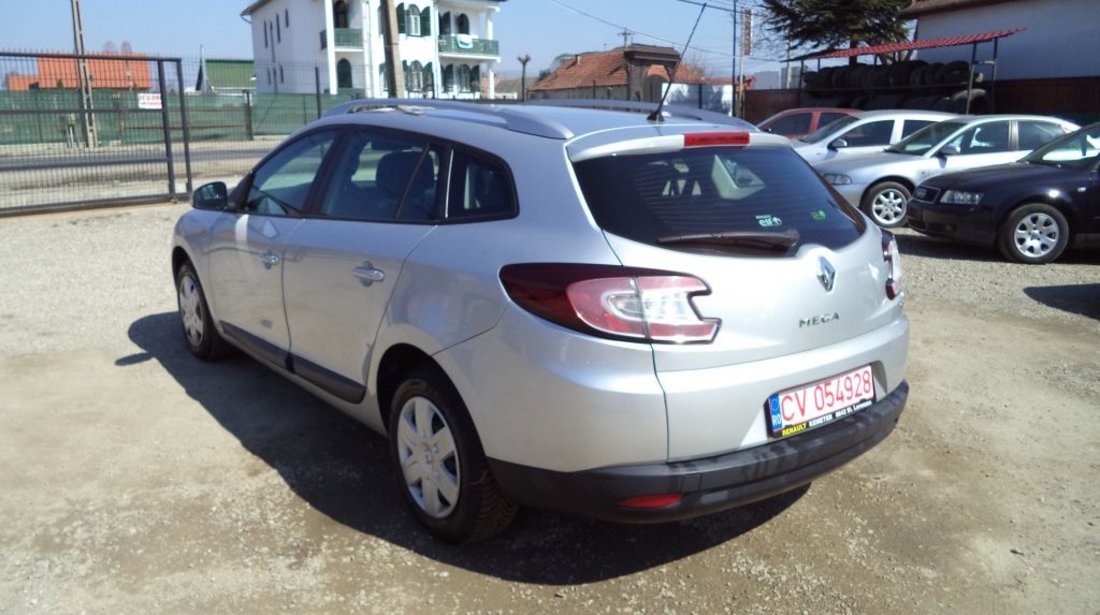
pixel 368 274
pixel 270 259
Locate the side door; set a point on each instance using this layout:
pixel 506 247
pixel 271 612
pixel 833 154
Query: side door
pixel 245 261
pixel 378 202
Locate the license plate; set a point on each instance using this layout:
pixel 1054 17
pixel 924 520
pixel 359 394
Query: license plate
pixel 797 410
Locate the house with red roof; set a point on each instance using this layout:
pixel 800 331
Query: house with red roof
pixel 105 74
pixel 633 72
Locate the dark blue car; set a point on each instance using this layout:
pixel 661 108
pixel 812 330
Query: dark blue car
pixel 1031 210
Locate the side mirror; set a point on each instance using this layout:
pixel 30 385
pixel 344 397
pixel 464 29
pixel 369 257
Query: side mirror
pixel 211 196
pixel 836 144
pixel 949 150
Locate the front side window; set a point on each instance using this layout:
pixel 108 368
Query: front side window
pixel 1077 150
pixel 479 188
pixel 383 178
pixel 922 141
pixel 987 138
pixel 871 133
pixel 281 185
pixel 754 200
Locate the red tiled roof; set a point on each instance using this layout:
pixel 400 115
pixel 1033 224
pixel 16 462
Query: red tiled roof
pixel 949 41
pixel 924 7
pixel 106 74
pixel 603 69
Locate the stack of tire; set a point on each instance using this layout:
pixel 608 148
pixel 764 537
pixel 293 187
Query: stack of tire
pixel 912 84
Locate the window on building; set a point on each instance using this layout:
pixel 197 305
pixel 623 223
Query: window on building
pixel 278 29
pixel 383 85
pixel 286 18
pixel 414 77
pixel 463 24
pixel 268 72
pixel 463 78
pixel 402 27
pixel 340 14
pixel 265 35
pixel 449 78
pixel 445 24
pixel 426 21
pixel 282 76
pixel 343 73
pixel 428 78
pixel 412 21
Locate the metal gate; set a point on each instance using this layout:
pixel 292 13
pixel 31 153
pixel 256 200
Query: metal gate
pixel 91 130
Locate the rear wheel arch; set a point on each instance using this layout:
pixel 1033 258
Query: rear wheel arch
pixel 398 359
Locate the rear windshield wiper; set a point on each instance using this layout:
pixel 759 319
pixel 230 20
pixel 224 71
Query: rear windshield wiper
pixel 769 241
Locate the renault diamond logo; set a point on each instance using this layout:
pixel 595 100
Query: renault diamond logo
pixel 826 274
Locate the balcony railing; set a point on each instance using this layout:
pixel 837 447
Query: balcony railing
pixel 343 37
pixel 465 44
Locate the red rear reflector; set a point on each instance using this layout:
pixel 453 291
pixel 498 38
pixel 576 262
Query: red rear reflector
pixel 653 501
pixel 708 139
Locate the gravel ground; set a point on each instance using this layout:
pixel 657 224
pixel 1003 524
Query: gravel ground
pixel 136 479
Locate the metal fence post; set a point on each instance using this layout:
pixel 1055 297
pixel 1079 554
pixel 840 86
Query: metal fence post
pixel 167 129
pixel 317 88
pixel 248 116
pixel 186 126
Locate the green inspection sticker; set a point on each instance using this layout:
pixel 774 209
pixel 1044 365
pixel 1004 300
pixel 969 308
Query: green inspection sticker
pixel 768 221
pixel 818 215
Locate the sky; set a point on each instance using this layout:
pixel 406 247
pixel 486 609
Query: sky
pixel 543 29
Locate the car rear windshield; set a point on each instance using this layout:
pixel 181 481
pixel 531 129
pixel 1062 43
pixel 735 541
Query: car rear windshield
pixel 752 200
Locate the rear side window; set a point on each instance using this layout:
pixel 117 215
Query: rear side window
pixel 658 198
pixel 911 126
pixel 871 133
pixel 1037 134
pixel 479 188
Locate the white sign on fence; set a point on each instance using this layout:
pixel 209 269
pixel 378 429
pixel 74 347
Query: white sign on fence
pixel 148 100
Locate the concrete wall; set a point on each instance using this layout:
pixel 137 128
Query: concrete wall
pixel 1062 37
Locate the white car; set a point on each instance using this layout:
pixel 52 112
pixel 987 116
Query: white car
pixel 867 132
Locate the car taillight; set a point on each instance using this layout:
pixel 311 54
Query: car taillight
pixel 892 256
pixel 709 139
pixel 625 303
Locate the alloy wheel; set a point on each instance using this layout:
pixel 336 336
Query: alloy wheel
pixel 1036 235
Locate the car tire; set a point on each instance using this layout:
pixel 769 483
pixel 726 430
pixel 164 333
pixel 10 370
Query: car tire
pixel 887 203
pixel 1035 233
pixel 202 339
pixel 440 464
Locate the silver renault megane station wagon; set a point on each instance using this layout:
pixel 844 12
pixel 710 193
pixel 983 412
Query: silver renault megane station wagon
pixel 637 317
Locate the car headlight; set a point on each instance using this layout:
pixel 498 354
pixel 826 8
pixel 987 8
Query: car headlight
pixel 837 179
pixel 961 197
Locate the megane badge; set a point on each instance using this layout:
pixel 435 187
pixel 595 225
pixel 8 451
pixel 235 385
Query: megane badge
pixel 826 274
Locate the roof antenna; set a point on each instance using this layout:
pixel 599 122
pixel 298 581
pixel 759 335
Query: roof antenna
pixel 656 115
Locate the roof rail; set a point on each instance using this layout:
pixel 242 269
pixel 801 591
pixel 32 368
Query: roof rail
pixel 691 113
pixel 512 117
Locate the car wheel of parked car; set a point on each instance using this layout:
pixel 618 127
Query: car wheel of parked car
pixel 1034 233
pixel 203 340
pixel 445 478
pixel 886 203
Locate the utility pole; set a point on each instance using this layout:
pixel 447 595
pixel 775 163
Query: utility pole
pixel 523 60
pixel 83 77
pixel 626 37
pixel 395 78
pixel 734 98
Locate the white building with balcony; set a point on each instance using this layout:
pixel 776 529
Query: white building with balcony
pixel 447 47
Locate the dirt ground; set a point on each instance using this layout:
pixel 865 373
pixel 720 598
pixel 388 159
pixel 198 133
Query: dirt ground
pixel 138 480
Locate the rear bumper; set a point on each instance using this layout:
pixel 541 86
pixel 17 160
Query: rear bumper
pixel 708 485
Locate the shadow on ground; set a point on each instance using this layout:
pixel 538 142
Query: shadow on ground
pixel 341 468
pixel 1083 299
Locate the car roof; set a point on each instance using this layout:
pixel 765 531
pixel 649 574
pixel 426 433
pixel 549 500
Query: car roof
pixel 903 113
pixel 549 119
